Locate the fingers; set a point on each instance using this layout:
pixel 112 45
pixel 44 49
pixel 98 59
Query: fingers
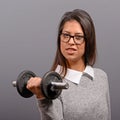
pixel 33 82
pixel 34 86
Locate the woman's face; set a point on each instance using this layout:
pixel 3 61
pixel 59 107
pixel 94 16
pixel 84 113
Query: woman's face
pixel 72 51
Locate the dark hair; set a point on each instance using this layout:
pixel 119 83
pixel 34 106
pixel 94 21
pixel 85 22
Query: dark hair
pixel 84 19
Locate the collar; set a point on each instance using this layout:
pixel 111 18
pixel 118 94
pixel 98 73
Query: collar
pixel 75 76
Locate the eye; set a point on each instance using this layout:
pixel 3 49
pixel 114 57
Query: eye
pixel 78 37
pixel 65 35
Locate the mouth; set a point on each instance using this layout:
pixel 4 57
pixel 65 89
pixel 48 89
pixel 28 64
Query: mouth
pixel 70 50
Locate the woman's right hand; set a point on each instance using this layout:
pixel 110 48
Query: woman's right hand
pixel 33 85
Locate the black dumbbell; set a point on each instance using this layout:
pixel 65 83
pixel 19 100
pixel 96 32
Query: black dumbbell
pixel 51 84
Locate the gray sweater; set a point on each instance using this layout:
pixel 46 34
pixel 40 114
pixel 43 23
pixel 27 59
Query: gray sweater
pixel 88 100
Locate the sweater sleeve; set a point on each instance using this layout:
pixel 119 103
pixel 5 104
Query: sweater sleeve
pixel 109 107
pixel 108 102
pixel 50 109
pixel 108 97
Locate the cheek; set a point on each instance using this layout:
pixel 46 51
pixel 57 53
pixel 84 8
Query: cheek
pixel 62 48
pixel 82 50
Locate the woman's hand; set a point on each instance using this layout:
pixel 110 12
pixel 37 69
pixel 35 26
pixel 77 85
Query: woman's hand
pixel 33 85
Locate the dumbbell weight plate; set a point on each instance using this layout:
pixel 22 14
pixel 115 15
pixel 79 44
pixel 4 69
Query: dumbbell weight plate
pixel 22 82
pixel 49 77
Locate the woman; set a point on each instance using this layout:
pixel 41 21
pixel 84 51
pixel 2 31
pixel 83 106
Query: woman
pixel 88 95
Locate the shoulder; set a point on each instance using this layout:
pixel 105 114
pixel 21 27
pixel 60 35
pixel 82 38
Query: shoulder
pixel 100 76
pixel 99 72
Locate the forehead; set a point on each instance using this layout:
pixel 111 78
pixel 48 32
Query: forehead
pixel 72 26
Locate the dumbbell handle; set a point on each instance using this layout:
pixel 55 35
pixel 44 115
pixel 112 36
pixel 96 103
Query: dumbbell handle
pixel 59 85
pixel 14 83
pixel 55 85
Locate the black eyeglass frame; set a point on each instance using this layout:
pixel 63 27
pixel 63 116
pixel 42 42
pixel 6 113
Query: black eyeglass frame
pixel 71 36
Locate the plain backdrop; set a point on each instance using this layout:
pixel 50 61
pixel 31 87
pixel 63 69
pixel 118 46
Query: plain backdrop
pixel 28 32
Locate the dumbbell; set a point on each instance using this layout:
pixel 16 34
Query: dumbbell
pixel 51 84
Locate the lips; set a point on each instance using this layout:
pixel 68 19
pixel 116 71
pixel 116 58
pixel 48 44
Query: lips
pixel 70 50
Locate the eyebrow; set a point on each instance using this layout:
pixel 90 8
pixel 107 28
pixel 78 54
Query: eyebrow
pixel 75 33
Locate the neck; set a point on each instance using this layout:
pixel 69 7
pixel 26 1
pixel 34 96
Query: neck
pixel 79 66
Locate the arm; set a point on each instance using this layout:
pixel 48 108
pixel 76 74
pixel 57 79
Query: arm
pixel 109 106
pixel 50 109
pixel 108 97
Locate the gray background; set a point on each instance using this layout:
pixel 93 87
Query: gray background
pixel 28 30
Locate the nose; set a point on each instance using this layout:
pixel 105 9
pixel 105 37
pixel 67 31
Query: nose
pixel 71 40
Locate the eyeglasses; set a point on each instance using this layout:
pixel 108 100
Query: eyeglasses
pixel 78 39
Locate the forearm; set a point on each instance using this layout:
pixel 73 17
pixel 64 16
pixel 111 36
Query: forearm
pixel 50 109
